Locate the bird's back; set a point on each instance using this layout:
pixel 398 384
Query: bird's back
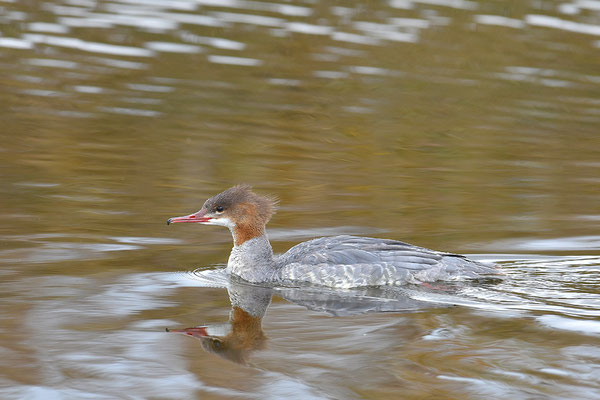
pixel 353 261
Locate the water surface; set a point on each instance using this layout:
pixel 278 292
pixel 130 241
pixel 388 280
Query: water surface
pixel 460 125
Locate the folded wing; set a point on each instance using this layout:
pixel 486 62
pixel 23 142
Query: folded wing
pixel 352 261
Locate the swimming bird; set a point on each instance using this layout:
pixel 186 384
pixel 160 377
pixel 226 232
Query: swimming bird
pixel 337 261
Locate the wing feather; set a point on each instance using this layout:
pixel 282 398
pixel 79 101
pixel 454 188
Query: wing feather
pixel 353 261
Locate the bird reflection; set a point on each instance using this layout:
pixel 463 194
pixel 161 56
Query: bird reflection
pixel 243 333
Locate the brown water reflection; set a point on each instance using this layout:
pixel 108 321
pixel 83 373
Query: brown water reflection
pixel 460 125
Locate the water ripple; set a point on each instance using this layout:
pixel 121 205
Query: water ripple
pixel 557 23
pixel 229 60
pixel 93 47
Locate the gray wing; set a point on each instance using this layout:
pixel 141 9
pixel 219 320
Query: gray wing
pixel 352 261
pixel 354 249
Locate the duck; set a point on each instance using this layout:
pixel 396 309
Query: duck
pixel 342 261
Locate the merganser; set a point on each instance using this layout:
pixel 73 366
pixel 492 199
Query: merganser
pixel 338 261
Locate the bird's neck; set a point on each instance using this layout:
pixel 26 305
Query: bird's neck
pixel 252 260
pixel 242 232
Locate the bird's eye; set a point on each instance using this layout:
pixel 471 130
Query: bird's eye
pixel 220 209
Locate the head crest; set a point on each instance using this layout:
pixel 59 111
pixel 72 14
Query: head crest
pixel 239 194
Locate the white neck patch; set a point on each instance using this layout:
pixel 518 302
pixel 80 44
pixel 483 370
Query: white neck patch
pixel 221 222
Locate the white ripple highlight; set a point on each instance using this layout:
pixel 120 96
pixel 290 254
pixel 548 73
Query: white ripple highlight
pixel 310 29
pixel 14 43
pixel 557 23
pixel 570 324
pixel 47 27
pixel 169 47
pixel 499 21
pixel 459 4
pixel 229 60
pixel 92 47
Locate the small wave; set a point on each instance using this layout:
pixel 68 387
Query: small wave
pixel 205 277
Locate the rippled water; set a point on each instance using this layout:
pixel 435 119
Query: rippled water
pixel 460 125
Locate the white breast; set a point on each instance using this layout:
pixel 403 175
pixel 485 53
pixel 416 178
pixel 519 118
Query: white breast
pixel 252 260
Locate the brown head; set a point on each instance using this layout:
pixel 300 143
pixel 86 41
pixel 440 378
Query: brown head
pixel 244 212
